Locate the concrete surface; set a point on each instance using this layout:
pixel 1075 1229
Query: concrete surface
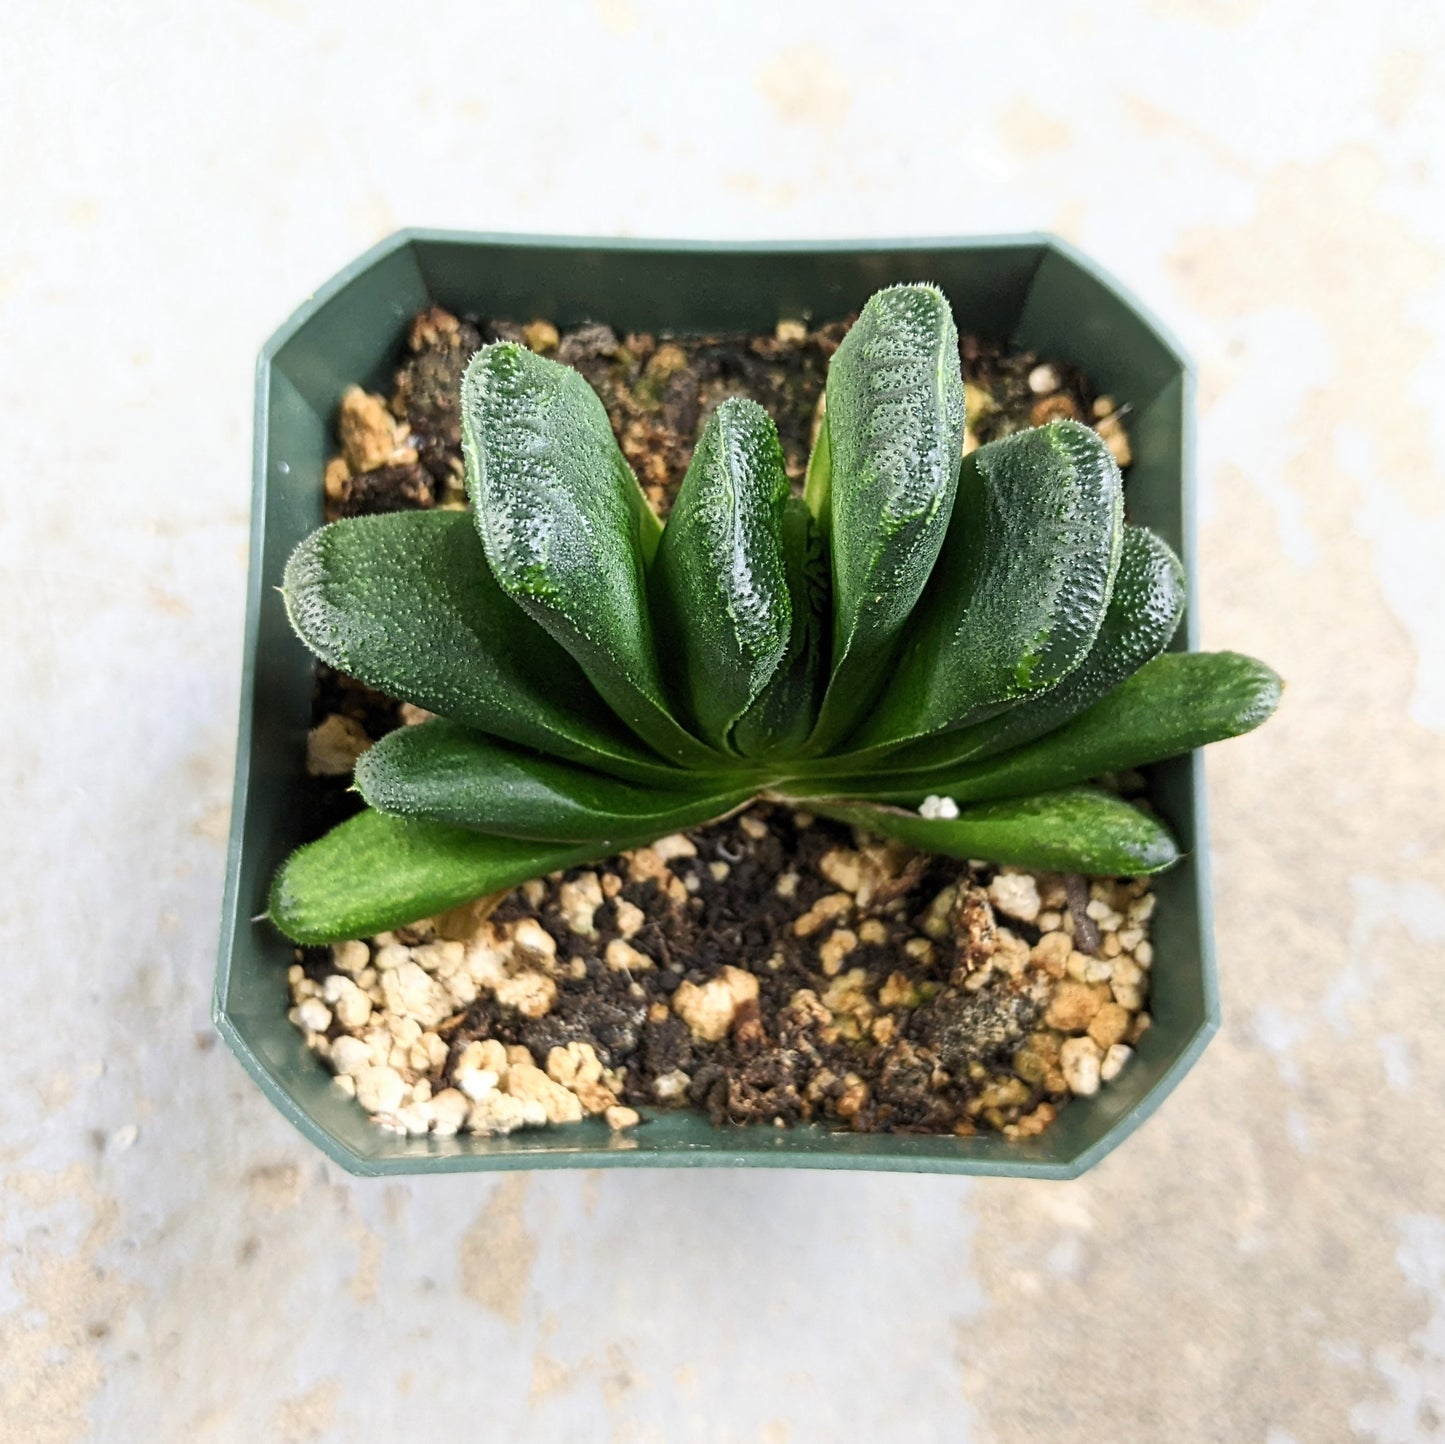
pixel 1265 1262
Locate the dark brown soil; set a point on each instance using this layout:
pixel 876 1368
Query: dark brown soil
pixel 782 1058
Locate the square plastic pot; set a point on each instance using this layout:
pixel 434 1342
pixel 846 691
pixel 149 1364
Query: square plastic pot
pixel 1032 292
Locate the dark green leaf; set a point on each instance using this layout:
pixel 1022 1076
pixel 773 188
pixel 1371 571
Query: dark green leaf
pixel 1174 704
pixel 1077 830
pixel 892 440
pixel 406 604
pixel 446 773
pixel 1020 591
pixel 720 596
pixel 566 529
pixel 375 872
pixel 1143 614
pixel 779 722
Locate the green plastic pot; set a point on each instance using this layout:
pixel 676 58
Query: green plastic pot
pixel 1034 292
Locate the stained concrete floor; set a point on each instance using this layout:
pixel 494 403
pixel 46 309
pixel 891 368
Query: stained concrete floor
pixel 1264 1262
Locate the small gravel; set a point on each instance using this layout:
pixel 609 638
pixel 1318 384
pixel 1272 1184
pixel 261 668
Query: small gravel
pixel 878 990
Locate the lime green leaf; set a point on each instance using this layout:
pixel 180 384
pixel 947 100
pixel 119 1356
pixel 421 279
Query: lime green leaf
pixel 818 483
pixel 894 437
pixel 1174 704
pixel 1076 830
pixel 566 529
pixel 375 872
pixel 1021 589
pixel 447 773
pixel 405 603
pixel 779 722
pixel 720 596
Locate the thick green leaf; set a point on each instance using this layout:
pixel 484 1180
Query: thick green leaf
pixel 779 722
pixel 1174 704
pixel 721 603
pixel 1021 589
pixel 406 604
pixel 447 773
pixel 1077 830
pixel 892 441
pixel 566 529
pixel 1143 614
pixel 375 872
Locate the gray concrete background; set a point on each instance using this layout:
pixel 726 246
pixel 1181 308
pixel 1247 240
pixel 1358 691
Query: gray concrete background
pixel 1266 1260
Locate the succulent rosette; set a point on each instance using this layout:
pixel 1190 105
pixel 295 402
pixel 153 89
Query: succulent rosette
pixel 984 629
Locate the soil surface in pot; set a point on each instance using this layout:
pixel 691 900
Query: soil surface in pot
pixel 771 967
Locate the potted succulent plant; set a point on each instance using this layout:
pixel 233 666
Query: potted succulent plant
pixel 940 649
